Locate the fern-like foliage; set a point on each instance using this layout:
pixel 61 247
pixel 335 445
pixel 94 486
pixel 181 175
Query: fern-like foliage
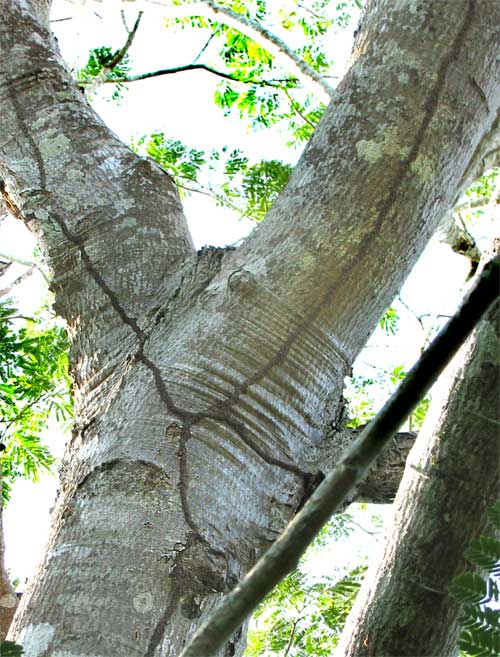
pixel 480 621
pixel 10 649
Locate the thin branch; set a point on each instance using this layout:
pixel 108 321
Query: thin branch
pixel 26 263
pixel 313 13
pixel 124 21
pixel 297 109
pixel 7 290
pixel 363 529
pixel 286 551
pixel 270 41
pixel 412 312
pixel 19 415
pixel 203 49
pixel 207 191
pixel 102 78
pixel 292 635
pixel 275 83
pixel 123 51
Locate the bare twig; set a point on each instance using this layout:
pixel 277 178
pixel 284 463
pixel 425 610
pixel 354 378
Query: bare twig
pixel 205 46
pixel 208 191
pixel 120 54
pixel 26 263
pixel 7 290
pixel 286 551
pixel 297 109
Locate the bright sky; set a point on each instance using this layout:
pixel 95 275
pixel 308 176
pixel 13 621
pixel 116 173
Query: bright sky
pixel 182 107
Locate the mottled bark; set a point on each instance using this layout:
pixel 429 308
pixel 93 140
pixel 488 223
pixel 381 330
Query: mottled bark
pixel 450 480
pixel 8 598
pixel 204 382
pixel 284 554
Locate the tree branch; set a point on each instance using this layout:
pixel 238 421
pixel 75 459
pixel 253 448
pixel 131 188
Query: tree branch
pixel 250 28
pixel 284 554
pixel 187 67
pixel 268 40
pixel 440 506
pixel 123 51
pixel 8 598
pixel 119 55
pixel 7 290
pixel 26 263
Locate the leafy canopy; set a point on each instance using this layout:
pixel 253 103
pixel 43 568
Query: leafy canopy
pixel 34 388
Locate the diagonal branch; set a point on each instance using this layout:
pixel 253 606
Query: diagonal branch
pixel 120 54
pixel 269 41
pixel 26 263
pixel 284 554
pixel 7 290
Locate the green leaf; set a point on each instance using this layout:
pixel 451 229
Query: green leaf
pixel 389 322
pixel 493 514
pixel 35 384
pixel 485 553
pixel 419 414
pixel 469 587
pixel 10 649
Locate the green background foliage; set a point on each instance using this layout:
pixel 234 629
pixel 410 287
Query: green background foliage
pixel 34 388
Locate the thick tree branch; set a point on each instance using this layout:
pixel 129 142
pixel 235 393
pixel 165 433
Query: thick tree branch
pixel 448 485
pixel 156 209
pixel 228 366
pixel 283 556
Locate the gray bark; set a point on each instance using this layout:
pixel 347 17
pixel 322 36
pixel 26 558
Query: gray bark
pixel 204 382
pixel 404 608
pixel 8 598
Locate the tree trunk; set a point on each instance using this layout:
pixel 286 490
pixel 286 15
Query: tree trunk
pixel 404 608
pixel 204 383
pixel 8 597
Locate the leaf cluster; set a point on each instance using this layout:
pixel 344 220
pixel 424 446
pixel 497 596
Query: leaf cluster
pixel 182 163
pixel 302 617
pixel 365 396
pixel 486 186
pixel 250 189
pixel 34 386
pixel 389 321
pixel 10 649
pixel 479 594
pixel 269 94
pixel 99 60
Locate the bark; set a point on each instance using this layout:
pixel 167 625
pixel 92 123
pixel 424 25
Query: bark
pixel 449 482
pixel 8 597
pixel 284 554
pixel 204 383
